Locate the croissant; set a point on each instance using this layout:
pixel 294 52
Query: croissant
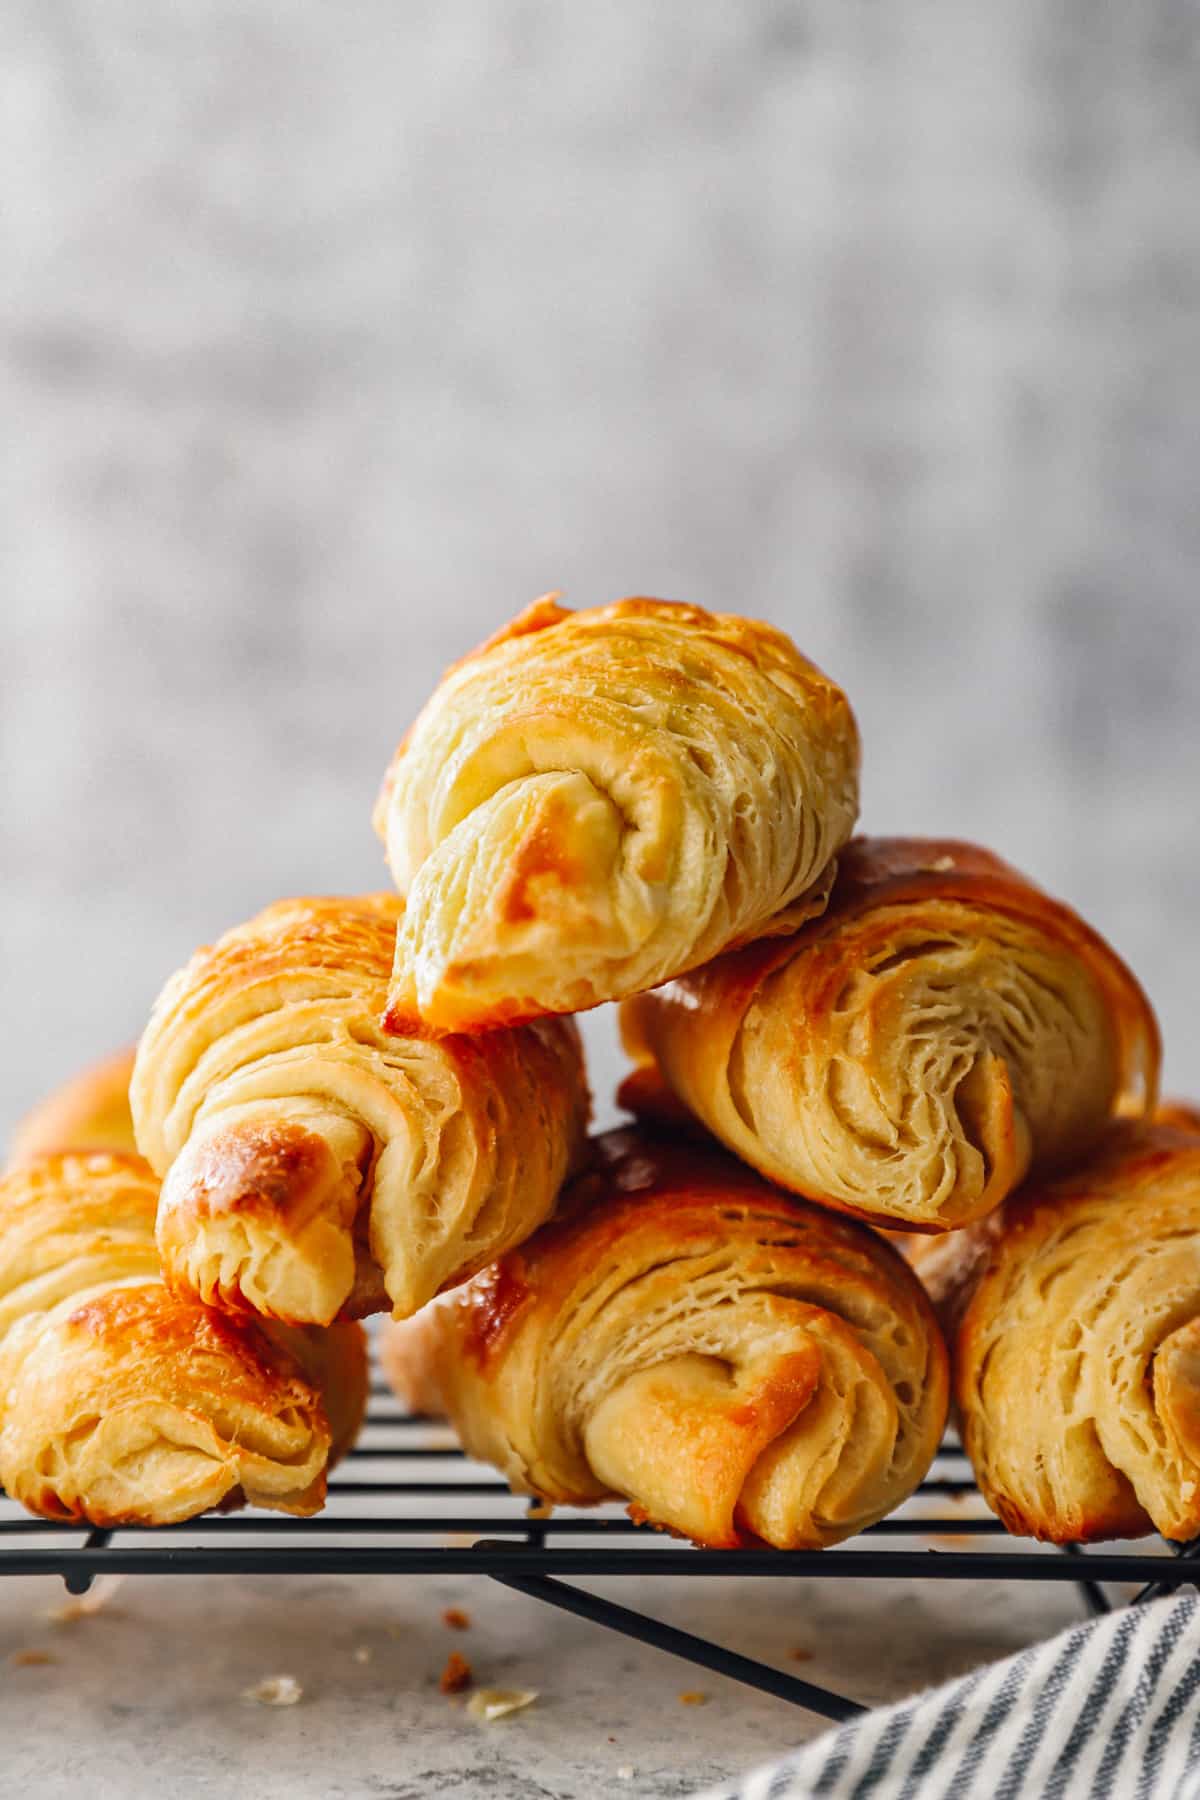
pixel 121 1403
pixel 316 1167
pixel 90 1112
pixel 594 801
pixel 1075 1320
pixel 910 1055
pixel 737 1364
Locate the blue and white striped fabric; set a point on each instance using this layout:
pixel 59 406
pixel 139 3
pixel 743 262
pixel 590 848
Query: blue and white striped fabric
pixel 1109 1708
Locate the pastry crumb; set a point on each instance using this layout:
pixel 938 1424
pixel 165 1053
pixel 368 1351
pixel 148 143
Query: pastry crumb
pixel 625 1772
pixel 30 1659
pixel 363 1653
pixel 274 1690
pixel 800 1654
pixel 494 1703
pixel 539 1509
pixel 82 1606
pixel 455 1619
pixel 693 1697
pixel 456 1675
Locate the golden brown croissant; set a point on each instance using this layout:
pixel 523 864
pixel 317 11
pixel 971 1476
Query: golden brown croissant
pixel 910 1055
pixel 89 1112
pixel 737 1364
pixel 314 1165
pixel 594 801
pixel 1075 1319
pixel 121 1403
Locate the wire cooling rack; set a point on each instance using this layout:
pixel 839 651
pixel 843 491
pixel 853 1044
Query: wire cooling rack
pixel 407 1502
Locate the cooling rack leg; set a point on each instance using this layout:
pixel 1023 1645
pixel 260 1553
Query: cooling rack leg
pixel 1097 1600
pixel 682 1643
pixel 78 1581
pixel 1155 1589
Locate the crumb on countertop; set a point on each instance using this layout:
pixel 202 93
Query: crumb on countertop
pixel 693 1697
pixel 456 1675
pixel 29 1659
pixel 274 1690
pixel 455 1619
pixel 495 1703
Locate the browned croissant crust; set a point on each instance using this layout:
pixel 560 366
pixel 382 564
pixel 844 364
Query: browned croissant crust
pixel 314 1165
pixel 89 1112
pixel 1180 1113
pixel 121 1403
pixel 907 1057
pixel 739 1365
pixel 1074 1314
pixel 593 801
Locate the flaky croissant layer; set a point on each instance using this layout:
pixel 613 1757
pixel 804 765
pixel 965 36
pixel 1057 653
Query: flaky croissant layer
pixel 121 1403
pixel 911 1054
pixel 1074 1315
pixel 594 801
pixel 735 1363
pixel 316 1166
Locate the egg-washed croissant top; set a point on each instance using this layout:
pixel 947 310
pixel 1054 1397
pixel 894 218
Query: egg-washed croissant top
pixel 739 1365
pixel 1074 1321
pixel 120 1402
pixel 316 1166
pixel 942 1028
pixel 594 801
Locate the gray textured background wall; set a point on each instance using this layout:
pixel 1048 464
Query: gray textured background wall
pixel 332 334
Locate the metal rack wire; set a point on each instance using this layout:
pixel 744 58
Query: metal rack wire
pixel 407 1502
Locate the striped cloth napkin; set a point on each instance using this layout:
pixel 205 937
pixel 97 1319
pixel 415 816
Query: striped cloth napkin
pixel 1109 1708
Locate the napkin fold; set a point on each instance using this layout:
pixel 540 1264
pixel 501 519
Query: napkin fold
pixel 1108 1708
